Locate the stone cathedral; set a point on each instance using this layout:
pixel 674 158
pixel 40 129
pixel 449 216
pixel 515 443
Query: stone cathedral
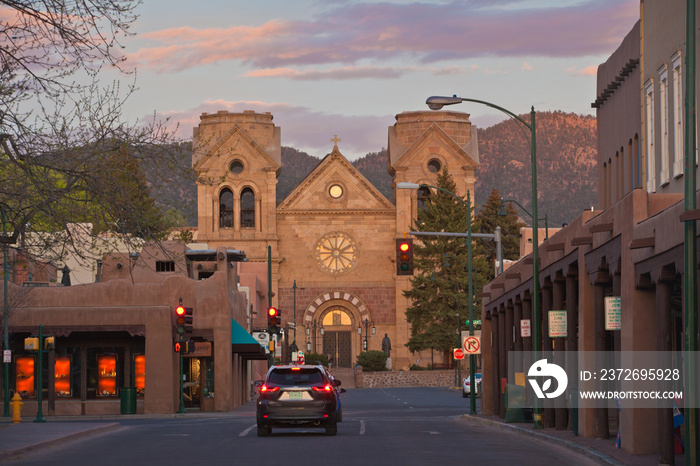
pixel 332 240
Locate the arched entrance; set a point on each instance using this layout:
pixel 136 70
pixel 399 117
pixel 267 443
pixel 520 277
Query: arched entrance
pixel 337 337
pixel 338 313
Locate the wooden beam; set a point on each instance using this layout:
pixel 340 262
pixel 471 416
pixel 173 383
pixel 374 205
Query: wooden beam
pixel 690 215
pixel 640 243
pixel 582 241
pixel 601 228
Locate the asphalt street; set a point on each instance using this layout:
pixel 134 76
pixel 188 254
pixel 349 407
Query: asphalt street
pixel 407 426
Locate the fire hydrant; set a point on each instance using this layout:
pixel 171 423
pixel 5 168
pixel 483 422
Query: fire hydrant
pixel 16 408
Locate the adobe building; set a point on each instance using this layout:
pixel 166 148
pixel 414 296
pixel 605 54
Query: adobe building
pixel 332 239
pixel 117 337
pixel 631 247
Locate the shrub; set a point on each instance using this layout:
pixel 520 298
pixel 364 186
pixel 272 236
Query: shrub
pixel 372 361
pixel 313 358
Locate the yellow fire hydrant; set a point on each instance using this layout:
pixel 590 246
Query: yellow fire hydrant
pixel 16 408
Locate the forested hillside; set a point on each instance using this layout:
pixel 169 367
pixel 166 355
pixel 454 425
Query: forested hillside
pixel 566 170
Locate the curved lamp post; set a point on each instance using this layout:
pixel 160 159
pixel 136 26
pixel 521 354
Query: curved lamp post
pixel 502 213
pixel 436 103
pixel 467 203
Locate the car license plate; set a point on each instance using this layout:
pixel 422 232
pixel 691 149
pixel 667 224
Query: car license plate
pixel 295 395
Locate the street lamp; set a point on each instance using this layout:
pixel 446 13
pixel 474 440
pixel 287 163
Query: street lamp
pixel 468 204
pixel 314 324
pixel 436 103
pixel 366 323
pixel 502 213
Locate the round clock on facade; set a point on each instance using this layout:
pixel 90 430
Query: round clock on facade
pixel 336 253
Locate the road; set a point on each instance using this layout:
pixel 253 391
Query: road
pixel 396 426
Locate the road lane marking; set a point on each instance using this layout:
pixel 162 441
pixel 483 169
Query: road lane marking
pixel 362 427
pixel 245 432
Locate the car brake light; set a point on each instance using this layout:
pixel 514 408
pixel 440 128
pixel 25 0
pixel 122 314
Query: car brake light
pixel 325 388
pixel 265 388
pixel 296 368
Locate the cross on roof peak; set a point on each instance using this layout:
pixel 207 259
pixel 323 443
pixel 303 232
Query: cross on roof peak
pixel 335 140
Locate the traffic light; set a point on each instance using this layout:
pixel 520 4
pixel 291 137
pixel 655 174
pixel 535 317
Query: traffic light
pixel 404 256
pixel 183 319
pixel 273 319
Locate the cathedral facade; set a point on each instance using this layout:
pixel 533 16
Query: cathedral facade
pixel 331 242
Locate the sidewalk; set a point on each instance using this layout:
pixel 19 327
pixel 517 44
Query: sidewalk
pixel 17 439
pixel 600 450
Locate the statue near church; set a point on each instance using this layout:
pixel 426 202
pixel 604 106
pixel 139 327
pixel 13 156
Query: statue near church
pixel 386 345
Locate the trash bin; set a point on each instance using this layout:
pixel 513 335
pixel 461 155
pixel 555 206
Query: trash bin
pixel 128 400
pixel 515 401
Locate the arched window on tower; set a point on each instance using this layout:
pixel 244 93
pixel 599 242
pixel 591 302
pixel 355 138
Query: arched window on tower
pixel 247 208
pixel 423 195
pixel 226 209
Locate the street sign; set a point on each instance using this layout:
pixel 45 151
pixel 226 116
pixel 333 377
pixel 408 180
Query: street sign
pixel 557 324
pixel 525 329
pixel 613 313
pixel 458 353
pixel 300 358
pixel 7 356
pixel 472 344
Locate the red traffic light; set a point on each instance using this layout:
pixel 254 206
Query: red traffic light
pixel 183 319
pixel 404 256
pixel 273 318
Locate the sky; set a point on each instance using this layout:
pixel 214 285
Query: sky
pixel 348 67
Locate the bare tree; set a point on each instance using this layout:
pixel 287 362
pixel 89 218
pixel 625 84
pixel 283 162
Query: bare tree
pixel 66 155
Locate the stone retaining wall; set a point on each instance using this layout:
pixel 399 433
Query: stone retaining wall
pixel 405 379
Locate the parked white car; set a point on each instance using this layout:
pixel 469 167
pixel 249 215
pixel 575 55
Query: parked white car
pixel 466 385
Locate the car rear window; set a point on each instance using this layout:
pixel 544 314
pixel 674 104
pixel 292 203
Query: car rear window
pixel 289 377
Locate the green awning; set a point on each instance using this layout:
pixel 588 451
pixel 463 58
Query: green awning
pixel 244 344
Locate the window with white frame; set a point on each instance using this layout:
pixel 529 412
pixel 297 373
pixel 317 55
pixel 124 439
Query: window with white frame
pixel 678 136
pixel 664 175
pixel 649 136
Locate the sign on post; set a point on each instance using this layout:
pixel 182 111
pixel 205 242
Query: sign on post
pixel 525 328
pixel 458 353
pixel 557 324
pixel 613 313
pixel 7 356
pixel 472 344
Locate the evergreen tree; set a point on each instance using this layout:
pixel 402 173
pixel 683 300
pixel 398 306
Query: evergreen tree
pixel 439 291
pixel 486 221
pixel 439 288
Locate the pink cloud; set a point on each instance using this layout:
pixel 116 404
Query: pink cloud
pixel 347 33
pixel 587 71
pixel 359 72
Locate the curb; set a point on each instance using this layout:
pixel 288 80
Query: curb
pixel 577 447
pixel 14 453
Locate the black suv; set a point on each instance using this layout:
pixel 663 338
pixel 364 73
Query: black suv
pixel 297 396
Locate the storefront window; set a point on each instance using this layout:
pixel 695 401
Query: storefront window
pixel 140 373
pixel 107 375
pixel 62 375
pixel 24 382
